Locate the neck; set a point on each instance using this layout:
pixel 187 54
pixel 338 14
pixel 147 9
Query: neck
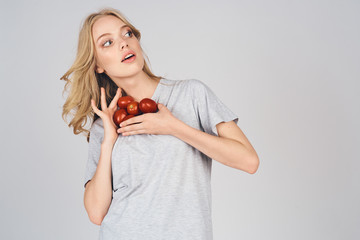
pixel 139 86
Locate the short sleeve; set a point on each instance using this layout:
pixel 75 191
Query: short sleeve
pixel 95 140
pixel 210 109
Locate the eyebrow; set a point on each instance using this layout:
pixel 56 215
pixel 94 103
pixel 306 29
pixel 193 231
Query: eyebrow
pixel 124 26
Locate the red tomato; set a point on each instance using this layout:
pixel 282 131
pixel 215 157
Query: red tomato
pixel 124 101
pixel 133 108
pixel 148 105
pixel 127 117
pixel 119 116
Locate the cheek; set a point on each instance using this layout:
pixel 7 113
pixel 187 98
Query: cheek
pixel 109 58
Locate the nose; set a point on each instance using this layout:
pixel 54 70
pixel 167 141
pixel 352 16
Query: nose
pixel 123 44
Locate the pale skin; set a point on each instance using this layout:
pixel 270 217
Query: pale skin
pixel 230 147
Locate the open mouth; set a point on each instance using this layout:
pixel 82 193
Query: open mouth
pixel 128 57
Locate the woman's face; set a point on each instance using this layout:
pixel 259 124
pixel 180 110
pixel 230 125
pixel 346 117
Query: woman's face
pixel 113 40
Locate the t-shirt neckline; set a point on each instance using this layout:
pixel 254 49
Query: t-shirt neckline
pixel 154 96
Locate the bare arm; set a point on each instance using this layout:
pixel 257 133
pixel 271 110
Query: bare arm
pixel 230 148
pixel 98 191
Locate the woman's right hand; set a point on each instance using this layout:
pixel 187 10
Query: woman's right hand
pixel 107 113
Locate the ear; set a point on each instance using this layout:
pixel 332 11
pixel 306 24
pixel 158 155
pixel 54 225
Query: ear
pixel 99 70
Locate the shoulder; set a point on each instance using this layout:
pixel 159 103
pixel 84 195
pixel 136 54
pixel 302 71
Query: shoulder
pixel 198 87
pixel 97 128
pixel 191 84
pixel 196 83
pixel 192 88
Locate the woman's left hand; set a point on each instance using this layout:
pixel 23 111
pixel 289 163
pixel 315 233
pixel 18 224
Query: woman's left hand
pixel 161 122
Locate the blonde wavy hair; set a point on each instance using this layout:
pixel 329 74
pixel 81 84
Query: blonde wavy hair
pixel 85 82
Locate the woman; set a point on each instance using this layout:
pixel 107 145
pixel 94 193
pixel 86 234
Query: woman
pixel 149 178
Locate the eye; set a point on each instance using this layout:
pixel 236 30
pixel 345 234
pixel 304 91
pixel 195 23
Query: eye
pixel 106 42
pixel 130 33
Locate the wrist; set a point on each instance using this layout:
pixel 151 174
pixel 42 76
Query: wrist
pixel 176 127
pixel 108 143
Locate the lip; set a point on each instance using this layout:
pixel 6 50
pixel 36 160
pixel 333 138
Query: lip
pixel 125 54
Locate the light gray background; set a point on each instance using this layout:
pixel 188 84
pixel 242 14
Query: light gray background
pixel 288 69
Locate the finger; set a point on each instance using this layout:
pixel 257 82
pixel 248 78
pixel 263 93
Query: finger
pixel 94 107
pixel 133 120
pixel 141 131
pixel 116 98
pixel 161 106
pixel 130 128
pixel 103 98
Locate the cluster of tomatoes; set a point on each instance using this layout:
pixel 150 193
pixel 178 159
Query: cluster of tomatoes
pixel 130 108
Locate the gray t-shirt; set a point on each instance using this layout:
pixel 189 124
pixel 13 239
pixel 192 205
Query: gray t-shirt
pixel 161 185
